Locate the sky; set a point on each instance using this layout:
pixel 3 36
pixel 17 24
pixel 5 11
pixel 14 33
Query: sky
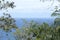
pixel 32 9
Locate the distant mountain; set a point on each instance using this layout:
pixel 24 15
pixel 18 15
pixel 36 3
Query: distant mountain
pixel 19 22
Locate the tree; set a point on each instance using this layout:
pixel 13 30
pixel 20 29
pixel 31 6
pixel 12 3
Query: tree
pixel 35 31
pixel 6 21
pixel 56 13
pixel 6 4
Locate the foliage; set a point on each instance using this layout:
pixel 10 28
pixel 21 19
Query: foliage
pixel 31 30
pixel 56 14
pixel 6 4
pixel 7 22
pixel 38 32
pixel 49 0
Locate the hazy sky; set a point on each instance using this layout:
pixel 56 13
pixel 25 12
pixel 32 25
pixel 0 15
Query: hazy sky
pixel 32 9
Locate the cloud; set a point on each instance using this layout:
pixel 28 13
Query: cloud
pixel 31 9
pixel 29 4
